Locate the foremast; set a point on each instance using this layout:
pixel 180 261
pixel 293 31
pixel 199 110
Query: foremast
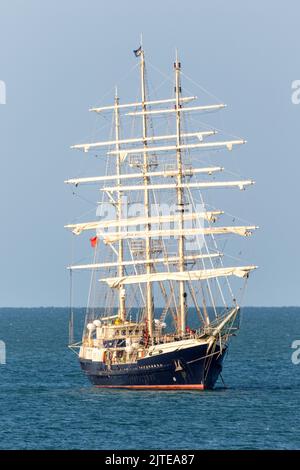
pixel 122 292
pixel 146 180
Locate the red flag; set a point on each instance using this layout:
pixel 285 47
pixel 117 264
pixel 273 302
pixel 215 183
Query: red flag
pixel 93 241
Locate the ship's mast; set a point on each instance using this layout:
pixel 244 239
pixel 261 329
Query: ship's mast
pixel 180 201
pixel 149 299
pixel 122 306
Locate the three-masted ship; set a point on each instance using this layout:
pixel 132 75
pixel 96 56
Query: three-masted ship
pixel 156 266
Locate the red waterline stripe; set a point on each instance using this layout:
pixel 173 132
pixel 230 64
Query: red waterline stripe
pixel 157 387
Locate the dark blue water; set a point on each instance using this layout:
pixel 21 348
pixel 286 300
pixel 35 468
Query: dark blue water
pixel 46 402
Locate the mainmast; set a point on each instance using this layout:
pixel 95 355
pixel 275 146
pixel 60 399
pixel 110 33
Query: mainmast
pixel 122 306
pixel 149 299
pixel 180 201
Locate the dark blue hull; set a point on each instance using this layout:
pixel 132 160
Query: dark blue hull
pixel 189 368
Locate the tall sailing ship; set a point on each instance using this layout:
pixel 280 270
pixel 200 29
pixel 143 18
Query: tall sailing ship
pixel 156 261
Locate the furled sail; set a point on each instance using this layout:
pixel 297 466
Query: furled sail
pixel 210 107
pixel 200 135
pixel 242 271
pixel 165 148
pixel 166 260
pixel 166 173
pixel 112 237
pixel 184 99
pixel 133 221
pixel 210 184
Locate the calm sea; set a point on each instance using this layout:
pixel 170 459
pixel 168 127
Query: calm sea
pixel 47 403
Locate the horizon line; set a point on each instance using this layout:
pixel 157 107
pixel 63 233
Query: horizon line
pixel 158 307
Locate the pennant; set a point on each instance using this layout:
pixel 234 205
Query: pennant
pixel 94 241
pixel 137 52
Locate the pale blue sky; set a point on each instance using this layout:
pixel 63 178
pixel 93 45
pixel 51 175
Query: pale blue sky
pixel 59 57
